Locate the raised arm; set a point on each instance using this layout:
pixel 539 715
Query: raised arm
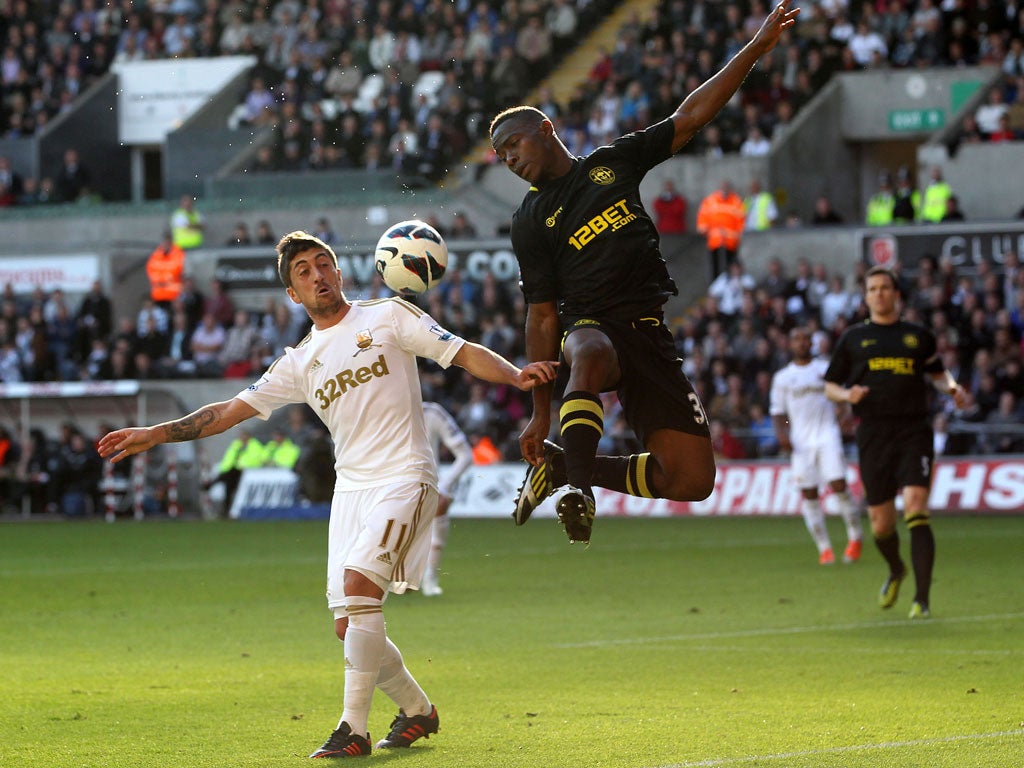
pixel 700 107
pixel 209 420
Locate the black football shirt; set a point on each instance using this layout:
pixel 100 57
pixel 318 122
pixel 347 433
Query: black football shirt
pixel 893 361
pixel 585 240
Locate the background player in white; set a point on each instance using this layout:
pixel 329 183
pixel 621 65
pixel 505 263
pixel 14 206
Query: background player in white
pixel 442 428
pixel 805 424
pixel 357 370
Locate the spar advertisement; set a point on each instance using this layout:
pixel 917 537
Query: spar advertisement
pixel 984 485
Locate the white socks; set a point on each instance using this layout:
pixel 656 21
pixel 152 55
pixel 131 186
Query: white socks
pixel 396 681
pixel 438 541
pixel 365 643
pixel 814 519
pixel 851 516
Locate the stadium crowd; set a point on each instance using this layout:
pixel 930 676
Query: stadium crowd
pixel 315 60
pixel 732 342
pixel 342 81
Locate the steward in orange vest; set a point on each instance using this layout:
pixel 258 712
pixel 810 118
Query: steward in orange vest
pixel 165 268
pixel 721 218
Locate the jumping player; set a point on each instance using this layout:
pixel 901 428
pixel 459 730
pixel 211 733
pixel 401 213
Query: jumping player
pixel 805 424
pixel 880 367
pixel 593 277
pixel 357 370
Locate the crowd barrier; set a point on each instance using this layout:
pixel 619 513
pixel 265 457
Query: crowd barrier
pixel 981 485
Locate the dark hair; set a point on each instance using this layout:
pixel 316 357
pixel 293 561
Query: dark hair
pixel 292 245
pixel 524 113
pixel 880 270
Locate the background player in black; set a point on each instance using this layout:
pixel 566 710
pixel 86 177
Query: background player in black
pixel 591 268
pixel 879 366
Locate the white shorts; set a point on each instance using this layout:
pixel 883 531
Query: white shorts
pixel 382 532
pixel 820 463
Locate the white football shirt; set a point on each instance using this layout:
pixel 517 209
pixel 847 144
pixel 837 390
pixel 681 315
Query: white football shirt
pixel 798 392
pixel 442 428
pixel 360 378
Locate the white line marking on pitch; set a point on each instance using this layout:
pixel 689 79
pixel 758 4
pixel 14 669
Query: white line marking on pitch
pixel 842 750
pixel 803 650
pixel 785 631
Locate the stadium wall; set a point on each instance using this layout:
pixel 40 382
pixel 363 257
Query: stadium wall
pixel 977 485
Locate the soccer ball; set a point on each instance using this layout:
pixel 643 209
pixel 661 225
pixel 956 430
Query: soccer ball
pixel 411 257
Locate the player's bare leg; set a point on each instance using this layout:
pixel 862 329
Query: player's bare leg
pixel 684 465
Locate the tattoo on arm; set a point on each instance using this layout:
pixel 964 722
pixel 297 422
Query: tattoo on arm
pixel 191 427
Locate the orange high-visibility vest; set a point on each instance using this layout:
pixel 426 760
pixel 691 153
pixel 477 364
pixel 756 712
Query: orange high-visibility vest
pixel 721 219
pixel 165 269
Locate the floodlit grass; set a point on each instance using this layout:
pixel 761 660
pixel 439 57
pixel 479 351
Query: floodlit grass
pixel 669 643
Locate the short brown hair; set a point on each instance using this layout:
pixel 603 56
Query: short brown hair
pixel 293 244
pixel 880 270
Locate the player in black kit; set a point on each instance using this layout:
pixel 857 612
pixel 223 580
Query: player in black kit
pixel 591 269
pixel 880 366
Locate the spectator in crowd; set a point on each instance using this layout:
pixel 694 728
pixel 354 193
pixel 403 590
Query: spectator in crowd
pixel 906 199
pixel 987 115
pixel 206 344
pixel 73 178
pixel 235 354
pixel 264 233
pixel 325 232
pixel 729 287
pixel 461 227
pixel 953 211
pixel 77 475
pixel 824 213
pixel 240 236
pixel 670 210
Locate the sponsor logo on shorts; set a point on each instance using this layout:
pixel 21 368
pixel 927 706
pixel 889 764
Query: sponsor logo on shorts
pixel 384 557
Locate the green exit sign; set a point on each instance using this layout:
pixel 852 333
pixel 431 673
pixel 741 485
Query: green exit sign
pixel 916 119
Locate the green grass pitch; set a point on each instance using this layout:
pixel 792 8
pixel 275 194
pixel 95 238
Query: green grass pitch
pixel 667 644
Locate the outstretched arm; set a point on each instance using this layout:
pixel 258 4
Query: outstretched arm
pixel 490 366
pixel 700 107
pixel 209 420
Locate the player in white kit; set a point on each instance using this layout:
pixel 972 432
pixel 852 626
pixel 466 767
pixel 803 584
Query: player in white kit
pixel 357 370
pixel 805 423
pixel 443 429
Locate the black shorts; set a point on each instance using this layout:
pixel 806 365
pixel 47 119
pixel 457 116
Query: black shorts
pixel 654 391
pixel 894 454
